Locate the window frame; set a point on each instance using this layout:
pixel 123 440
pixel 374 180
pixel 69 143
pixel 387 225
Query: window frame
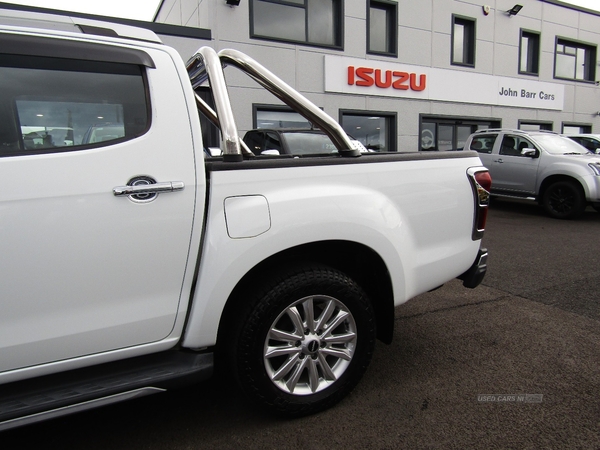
pixel 585 128
pixel 591 58
pixel 533 61
pixel 544 125
pixel 391 9
pixel 469 50
pixel 338 32
pixel 391 121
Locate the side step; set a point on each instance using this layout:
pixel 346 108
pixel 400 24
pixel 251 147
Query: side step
pixel 56 395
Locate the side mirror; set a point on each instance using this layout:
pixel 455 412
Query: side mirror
pixel 529 152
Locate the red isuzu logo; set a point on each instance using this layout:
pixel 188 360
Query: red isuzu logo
pixel 366 76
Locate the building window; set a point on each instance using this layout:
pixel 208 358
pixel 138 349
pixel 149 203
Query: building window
pixel 463 41
pixel 311 22
pixel 449 133
pixel 575 61
pixel 375 130
pixel 529 53
pixel 533 125
pixel 575 128
pixel 382 27
pixel 273 116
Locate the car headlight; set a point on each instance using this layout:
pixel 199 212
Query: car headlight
pixel 595 168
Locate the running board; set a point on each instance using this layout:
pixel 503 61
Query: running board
pixel 57 395
pixel 516 196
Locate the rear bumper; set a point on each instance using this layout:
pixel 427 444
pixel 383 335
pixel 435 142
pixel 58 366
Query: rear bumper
pixel 474 276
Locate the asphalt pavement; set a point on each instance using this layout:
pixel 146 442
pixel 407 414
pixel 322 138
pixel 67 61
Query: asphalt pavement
pixel 513 363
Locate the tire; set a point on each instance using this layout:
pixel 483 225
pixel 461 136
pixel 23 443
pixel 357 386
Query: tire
pixel 292 361
pixel 564 200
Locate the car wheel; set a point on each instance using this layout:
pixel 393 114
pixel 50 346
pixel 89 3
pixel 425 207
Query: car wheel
pixel 564 200
pixel 306 342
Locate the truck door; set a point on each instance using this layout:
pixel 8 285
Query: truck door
pixel 510 170
pixel 83 270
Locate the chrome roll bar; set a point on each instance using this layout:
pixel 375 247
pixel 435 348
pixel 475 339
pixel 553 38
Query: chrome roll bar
pixel 207 65
pixel 292 98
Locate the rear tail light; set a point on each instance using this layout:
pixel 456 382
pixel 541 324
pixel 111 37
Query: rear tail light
pixel 481 182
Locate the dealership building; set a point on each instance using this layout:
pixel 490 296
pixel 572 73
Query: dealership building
pixel 406 74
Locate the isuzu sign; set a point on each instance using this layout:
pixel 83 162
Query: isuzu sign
pixel 367 76
pixel 381 78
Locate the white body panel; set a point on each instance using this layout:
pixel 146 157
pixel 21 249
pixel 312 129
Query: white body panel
pixel 85 272
pixel 417 215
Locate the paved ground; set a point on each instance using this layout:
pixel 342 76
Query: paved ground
pixel 532 331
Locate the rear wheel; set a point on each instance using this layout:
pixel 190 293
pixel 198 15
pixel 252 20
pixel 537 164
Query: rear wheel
pixel 564 200
pixel 306 341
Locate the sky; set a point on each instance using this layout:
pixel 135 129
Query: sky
pixel 145 9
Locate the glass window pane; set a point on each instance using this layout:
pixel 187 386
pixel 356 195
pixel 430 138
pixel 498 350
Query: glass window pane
pixel 378 30
pixel 371 131
pixel 279 21
pixel 524 67
pixel 280 119
pixel 462 133
pixel 565 66
pixel 581 66
pixel 459 42
pixel 428 137
pixel 321 28
pixel 56 109
pixel 445 137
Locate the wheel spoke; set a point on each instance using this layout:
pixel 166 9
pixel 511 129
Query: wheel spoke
pixel 293 380
pixel 313 374
pixel 342 353
pixel 285 368
pixel 296 319
pixel 327 372
pixel 280 335
pixel 340 338
pixel 273 352
pixel 339 318
pixel 326 314
pixel 309 314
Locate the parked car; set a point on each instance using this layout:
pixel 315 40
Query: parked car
pixel 553 170
pixel 292 141
pixel 589 141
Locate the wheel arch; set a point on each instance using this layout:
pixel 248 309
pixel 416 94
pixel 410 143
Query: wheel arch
pixel 358 261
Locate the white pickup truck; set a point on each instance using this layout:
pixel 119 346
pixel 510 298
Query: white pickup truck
pixel 132 262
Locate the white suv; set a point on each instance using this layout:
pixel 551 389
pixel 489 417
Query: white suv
pixel 553 170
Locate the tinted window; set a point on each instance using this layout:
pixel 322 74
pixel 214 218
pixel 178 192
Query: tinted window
pixel 309 143
pixel 50 104
pixel 483 144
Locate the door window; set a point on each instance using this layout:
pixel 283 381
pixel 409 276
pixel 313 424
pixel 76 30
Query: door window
pixel 63 105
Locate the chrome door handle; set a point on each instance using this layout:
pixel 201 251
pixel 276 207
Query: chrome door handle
pixel 499 160
pixel 155 188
